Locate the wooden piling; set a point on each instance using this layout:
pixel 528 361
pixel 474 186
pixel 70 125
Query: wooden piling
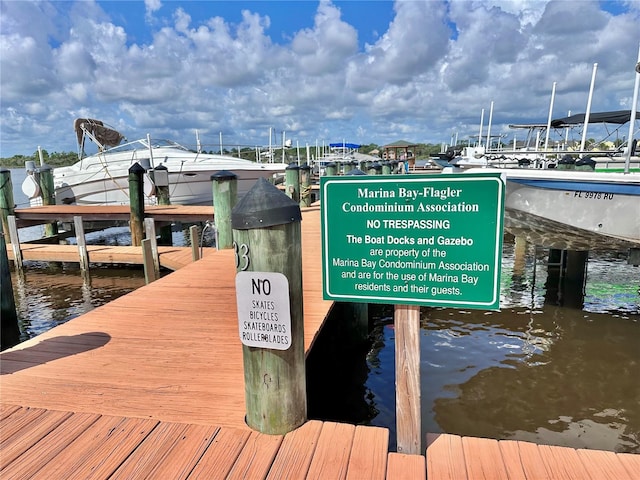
pixel 305 185
pixel 82 244
pixel 9 328
pixel 267 239
pixel 148 262
pixel 225 196
pixel 136 202
pixel 575 276
pixel 195 243
pixel 15 242
pixel 331 169
pixel 408 418
pixel 160 177
pixel 150 234
pixel 7 205
pixel 48 196
pixel 292 182
pixel 374 169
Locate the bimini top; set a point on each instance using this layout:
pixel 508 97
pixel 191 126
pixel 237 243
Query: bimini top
pixel 619 117
pixel 105 136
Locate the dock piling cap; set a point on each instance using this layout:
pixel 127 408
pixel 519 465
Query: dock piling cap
pixel 223 175
pixel 264 206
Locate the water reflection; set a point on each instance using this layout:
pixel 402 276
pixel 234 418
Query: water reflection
pixel 49 294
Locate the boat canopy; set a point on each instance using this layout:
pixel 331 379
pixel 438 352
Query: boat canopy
pixel 107 137
pixel 619 117
pixel 345 145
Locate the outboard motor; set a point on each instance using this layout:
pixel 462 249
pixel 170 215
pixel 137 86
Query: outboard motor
pixel 567 162
pixel 586 163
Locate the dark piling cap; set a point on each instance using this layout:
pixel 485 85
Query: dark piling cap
pixel 264 206
pixel 223 175
pixel 292 166
pixel 355 171
pixel 136 168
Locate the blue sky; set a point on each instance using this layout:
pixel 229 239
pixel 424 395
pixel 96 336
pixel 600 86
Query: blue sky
pixel 319 71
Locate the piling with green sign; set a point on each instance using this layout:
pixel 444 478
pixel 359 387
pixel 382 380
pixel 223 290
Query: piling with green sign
pixel 267 243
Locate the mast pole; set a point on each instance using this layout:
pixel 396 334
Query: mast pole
pixel 553 96
pixel 480 134
pixel 632 119
pixel 489 128
pixel 588 112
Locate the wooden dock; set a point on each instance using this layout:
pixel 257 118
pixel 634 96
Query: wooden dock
pixel 30 216
pixel 171 258
pixel 151 386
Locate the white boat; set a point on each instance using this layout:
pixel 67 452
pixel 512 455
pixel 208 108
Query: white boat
pixel 531 151
pixel 103 178
pixel 572 210
pixel 341 152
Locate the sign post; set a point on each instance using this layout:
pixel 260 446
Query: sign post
pixel 412 240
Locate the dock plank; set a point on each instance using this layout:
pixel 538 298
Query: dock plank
pixel 523 461
pixel 218 460
pixel 605 466
pixel 483 458
pixel 365 460
pixel 402 466
pixel 18 437
pixel 98 451
pixel 41 453
pixel 445 457
pixel 563 463
pixel 631 463
pixel 256 457
pixel 331 457
pixel 295 453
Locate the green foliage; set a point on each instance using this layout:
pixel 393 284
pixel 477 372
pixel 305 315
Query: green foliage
pixel 53 159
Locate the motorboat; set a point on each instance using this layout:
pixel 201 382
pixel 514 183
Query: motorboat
pixel 571 209
pixel 103 177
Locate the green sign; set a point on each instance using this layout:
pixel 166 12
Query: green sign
pixel 413 239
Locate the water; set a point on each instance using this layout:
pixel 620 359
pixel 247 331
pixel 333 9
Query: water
pixel 48 294
pixel 535 371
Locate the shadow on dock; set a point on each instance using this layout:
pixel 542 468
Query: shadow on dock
pixel 50 350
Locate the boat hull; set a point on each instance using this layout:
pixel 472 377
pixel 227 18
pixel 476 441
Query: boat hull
pixel 573 210
pixel 105 180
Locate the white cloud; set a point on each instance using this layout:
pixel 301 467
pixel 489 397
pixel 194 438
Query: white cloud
pixel 431 72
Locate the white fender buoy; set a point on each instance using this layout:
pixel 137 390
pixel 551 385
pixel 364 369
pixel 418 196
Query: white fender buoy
pixel 30 187
pixel 149 187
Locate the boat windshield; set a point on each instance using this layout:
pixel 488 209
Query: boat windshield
pixel 142 144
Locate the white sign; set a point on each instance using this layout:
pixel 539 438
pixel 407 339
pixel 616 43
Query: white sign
pixel 264 316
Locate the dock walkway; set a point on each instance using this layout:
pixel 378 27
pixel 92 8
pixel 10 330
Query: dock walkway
pixel 151 385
